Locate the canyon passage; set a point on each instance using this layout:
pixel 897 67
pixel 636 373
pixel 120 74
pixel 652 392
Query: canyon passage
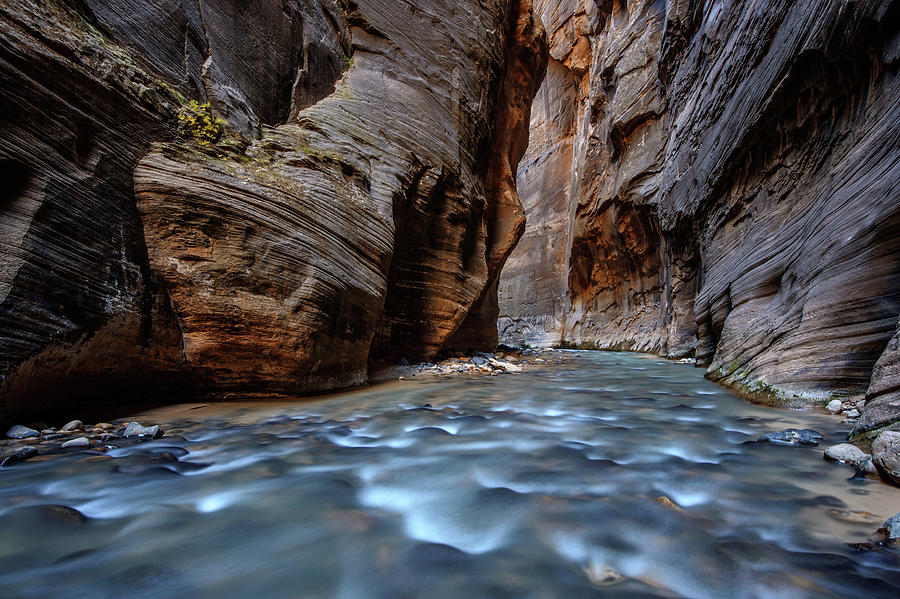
pixel 214 201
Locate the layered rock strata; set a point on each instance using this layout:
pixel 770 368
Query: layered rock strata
pixel 211 195
pixel 732 193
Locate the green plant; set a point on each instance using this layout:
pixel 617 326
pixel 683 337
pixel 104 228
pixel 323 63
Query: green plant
pixel 196 121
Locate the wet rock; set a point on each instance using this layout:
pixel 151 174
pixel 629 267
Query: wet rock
pixel 886 456
pixel 79 443
pixel 845 453
pixel 890 530
pixel 852 516
pixel 104 426
pixel 74 425
pixel 504 365
pixel 793 437
pixel 602 575
pixel 135 429
pixel 834 406
pixel 61 514
pixel 21 432
pixel 17 454
pixel 663 500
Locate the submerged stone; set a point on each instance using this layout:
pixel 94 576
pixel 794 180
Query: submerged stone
pixel 793 437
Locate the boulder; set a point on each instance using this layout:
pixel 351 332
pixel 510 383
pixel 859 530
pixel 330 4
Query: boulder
pixel 886 456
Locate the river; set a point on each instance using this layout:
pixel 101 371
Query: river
pixel 541 484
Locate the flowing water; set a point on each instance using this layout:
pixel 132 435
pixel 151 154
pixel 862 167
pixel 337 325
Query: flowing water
pixel 536 485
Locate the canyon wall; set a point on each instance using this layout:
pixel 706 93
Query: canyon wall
pixel 727 177
pixel 221 196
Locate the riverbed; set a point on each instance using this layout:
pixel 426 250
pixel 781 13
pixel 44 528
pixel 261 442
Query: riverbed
pixel 612 474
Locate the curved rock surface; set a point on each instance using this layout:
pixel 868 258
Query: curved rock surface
pixel 347 203
pixel 731 193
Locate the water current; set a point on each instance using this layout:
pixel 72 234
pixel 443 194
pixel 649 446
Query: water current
pixel 541 484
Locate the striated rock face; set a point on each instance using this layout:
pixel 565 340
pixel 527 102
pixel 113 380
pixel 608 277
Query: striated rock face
pixel 352 200
pixel 732 193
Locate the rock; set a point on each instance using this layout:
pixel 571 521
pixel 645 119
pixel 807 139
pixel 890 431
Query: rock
pixel 890 530
pixel 882 407
pixel 602 575
pixel 104 426
pixel 854 413
pixel 834 406
pixel 660 175
pixel 851 516
pixel 238 270
pixel 852 455
pixel 79 443
pixel 886 456
pixel 21 432
pixel 61 514
pixel 135 429
pixel 15 455
pixel 794 437
pixel 74 425
pixel 504 365
pixel 663 500
pixel 845 453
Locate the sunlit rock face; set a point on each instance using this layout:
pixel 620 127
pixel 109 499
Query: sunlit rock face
pixel 358 202
pixel 731 192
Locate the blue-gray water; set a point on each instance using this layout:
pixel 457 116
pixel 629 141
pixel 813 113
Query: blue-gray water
pixel 534 485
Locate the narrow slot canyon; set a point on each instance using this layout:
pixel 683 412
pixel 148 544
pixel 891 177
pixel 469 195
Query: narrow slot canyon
pixel 450 298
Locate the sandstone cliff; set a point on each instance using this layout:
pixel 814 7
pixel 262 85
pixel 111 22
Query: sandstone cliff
pixel 728 180
pixel 223 195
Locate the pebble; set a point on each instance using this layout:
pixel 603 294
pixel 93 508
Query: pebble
pixel 135 429
pixel 19 454
pixel 79 443
pixel 74 425
pixel 21 432
pixel 834 406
